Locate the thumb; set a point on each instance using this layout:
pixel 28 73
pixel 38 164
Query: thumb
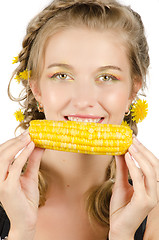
pixel 121 171
pixel 34 163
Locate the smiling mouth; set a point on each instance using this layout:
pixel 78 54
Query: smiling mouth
pixel 78 119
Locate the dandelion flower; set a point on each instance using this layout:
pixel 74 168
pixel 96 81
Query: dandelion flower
pixel 25 75
pixel 19 115
pixel 15 60
pixel 124 123
pixel 139 110
pixel 17 78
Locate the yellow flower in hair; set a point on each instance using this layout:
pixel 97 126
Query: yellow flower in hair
pixel 17 78
pixel 25 75
pixel 139 110
pixel 15 60
pixel 19 115
pixel 124 123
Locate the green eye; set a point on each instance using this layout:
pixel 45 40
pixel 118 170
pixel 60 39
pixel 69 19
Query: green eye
pixel 107 78
pixel 61 76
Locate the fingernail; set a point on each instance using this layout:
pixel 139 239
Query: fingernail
pixel 133 159
pixel 30 145
pixel 26 138
pixel 129 155
pixel 133 148
pixel 136 140
pixel 25 132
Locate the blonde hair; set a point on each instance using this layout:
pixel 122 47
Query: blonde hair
pixel 101 15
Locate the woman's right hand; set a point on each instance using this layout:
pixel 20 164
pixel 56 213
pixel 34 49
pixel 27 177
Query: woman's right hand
pixel 19 192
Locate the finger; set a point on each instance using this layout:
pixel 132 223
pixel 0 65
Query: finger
pixel 149 155
pixel 135 173
pixel 10 142
pixel 121 171
pixel 9 149
pixel 146 168
pixel 152 159
pixel 34 164
pixel 16 168
pixel 8 152
pixel 122 191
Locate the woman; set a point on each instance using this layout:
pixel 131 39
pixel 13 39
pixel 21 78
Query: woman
pixel 83 60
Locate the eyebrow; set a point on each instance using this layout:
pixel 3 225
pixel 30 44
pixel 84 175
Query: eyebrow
pixel 67 66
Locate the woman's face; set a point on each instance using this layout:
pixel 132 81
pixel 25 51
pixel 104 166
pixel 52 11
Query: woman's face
pixel 86 75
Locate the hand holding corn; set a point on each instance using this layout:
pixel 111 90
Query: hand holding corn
pixel 81 137
pixel 19 193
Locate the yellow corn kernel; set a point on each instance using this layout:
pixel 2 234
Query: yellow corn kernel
pixel 81 137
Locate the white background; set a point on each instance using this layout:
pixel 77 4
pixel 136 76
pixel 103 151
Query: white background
pixel 14 17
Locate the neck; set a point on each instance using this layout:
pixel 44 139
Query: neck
pixel 74 171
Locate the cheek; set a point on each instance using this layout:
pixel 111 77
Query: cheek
pixel 54 97
pixel 115 102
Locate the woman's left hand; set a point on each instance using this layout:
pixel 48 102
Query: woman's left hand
pixel 131 204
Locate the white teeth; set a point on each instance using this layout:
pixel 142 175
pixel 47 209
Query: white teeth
pixel 84 119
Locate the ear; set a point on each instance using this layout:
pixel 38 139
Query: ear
pixel 35 88
pixel 136 86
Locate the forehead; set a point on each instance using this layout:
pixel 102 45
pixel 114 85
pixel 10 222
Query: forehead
pixel 86 47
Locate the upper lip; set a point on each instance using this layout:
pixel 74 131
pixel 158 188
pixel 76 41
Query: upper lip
pixel 84 116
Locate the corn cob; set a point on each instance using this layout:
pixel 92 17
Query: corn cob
pixel 81 137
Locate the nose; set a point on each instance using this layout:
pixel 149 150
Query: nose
pixel 84 96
